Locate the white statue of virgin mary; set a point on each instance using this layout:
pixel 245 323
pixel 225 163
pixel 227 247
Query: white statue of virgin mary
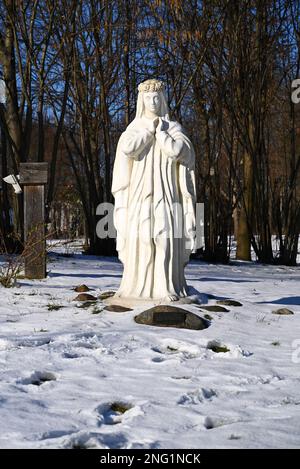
pixel 154 190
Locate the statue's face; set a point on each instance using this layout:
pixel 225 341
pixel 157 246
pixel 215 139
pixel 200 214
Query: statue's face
pixel 152 101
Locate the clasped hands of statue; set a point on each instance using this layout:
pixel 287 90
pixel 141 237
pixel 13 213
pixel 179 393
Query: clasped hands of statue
pixel 171 146
pixel 158 125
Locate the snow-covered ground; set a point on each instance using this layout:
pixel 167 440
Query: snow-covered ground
pixel 62 367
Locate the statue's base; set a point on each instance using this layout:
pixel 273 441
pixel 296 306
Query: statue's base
pixel 138 302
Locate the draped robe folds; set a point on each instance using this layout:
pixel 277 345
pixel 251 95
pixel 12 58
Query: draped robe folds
pixel 154 215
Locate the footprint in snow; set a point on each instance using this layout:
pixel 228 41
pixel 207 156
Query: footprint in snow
pixel 90 440
pixel 53 434
pixel 89 341
pixel 118 412
pixel 34 342
pixel 157 359
pixel 70 355
pixel 197 396
pixel 254 380
pixel 112 413
pixel 176 347
pixel 211 423
pixel 231 351
pixel 37 378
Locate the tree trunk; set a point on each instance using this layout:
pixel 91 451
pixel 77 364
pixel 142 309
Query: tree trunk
pixel 245 213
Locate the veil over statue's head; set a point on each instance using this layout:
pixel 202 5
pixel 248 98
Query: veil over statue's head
pixel 152 85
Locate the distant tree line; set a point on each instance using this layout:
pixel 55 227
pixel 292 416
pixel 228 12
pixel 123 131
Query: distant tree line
pixel 74 66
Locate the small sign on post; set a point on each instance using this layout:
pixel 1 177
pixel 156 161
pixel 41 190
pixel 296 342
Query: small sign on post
pixel 34 177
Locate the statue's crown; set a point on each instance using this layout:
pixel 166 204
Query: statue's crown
pixel 151 85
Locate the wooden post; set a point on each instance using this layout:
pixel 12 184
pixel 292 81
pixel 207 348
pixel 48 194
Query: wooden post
pixel 34 176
